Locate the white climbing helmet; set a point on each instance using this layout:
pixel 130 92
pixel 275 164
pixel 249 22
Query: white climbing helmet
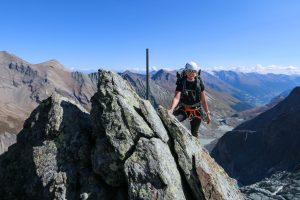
pixel 191 66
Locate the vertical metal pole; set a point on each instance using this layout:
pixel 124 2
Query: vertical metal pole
pixel 147 74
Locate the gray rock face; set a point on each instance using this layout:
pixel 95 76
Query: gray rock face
pixel 116 138
pixel 51 157
pixel 123 150
pixel 152 173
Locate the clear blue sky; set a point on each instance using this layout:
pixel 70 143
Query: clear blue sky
pixel 114 34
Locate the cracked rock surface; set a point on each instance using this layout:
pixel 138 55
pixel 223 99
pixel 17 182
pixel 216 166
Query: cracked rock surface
pixel 120 117
pixel 123 149
pixel 151 172
pixel 51 157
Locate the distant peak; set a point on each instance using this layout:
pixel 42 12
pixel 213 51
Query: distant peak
pixel 10 58
pixel 160 71
pixel 131 72
pixel 163 71
pixel 5 54
pixel 52 63
pixel 127 71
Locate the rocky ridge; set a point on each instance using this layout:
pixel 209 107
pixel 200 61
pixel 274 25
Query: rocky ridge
pixel 123 150
pixel 24 85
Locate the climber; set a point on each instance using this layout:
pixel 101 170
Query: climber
pixel 189 100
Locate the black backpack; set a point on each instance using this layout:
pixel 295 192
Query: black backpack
pixel 181 79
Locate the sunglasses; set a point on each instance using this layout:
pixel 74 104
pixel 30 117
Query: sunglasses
pixel 191 71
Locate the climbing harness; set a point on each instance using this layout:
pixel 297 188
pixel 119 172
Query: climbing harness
pixel 192 112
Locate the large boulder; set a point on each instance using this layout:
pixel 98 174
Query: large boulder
pixel 120 117
pixel 152 172
pixel 51 159
pixel 129 139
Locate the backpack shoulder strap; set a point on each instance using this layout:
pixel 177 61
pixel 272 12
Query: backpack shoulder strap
pixel 179 78
pixel 198 85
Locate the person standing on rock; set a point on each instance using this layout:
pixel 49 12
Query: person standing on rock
pixel 189 100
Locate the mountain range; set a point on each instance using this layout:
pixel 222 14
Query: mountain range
pixel 261 109
pixel 123 149
pixel 261 88
pixel 24 85
pixel 265 150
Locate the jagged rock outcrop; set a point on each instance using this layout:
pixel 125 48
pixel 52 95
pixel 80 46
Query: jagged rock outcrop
pixel 119 117
pixel 123 150
pixel 120 140
pixel 51 159
pixel 205 177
